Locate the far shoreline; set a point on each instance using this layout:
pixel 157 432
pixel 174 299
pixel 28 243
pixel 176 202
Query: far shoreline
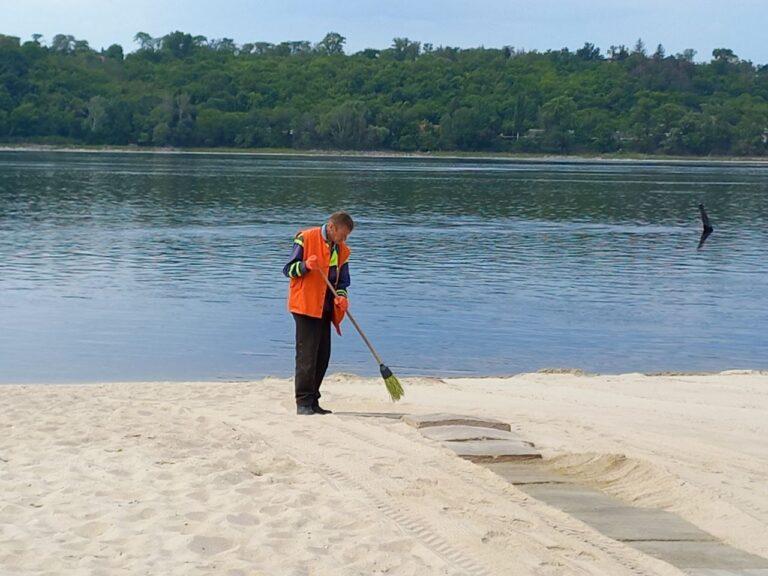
pixel 544 159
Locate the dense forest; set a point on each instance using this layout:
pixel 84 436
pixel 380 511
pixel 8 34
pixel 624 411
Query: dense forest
pixel 189 91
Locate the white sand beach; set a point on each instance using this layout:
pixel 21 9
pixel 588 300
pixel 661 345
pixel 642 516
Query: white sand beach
pixel 224 478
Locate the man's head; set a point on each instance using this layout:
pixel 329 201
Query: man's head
pixel 340 225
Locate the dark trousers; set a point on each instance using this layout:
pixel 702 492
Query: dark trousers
pixel 313 351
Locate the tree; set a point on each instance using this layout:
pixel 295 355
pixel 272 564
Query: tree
pixel 63 43
pixel 370 53
pixel 115 52
pixel 178 43
pixel 589 52
pixel 618 52
pixel 346 126
pixel 263 47
pixel 146 42
pixel 223 45
pixel 558 113
pixel 173 121
pixel 468 129
pixel 97 115
pixel 406 49
pixel 304 132
pixel 595 129
pixel 185 90
pixel 725 55
pixel 9 41
pixel 299 47
pixel 557 116
pixel 81 46
pixel 24 120
pixel 333 43
pixel 290 48
pixel 687 55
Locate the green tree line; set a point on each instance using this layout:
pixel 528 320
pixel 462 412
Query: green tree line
pixel 190 91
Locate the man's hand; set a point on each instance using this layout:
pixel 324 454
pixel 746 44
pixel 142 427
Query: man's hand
pixel 311 262
pixel 341 303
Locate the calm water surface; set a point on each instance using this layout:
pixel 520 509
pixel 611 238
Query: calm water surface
pixel 133 266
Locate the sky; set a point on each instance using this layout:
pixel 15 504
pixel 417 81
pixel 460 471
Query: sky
pixel 527 24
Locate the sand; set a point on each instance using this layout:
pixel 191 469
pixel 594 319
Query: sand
pixel 632 159
pixel 224 478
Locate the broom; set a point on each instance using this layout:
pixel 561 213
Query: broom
pixel 393 385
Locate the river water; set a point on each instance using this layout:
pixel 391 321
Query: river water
pixel 157 266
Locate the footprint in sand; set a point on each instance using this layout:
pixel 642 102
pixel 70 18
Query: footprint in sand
pixel 209 545
pixel 243 519
pixel 234 477
pixel 303 501
pixel 199 495
pixel 272 509
pixel 143 514
pixel 550 569
pixel 91 529
pixel 248 490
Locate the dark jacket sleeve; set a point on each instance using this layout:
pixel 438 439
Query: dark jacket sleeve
pixel 344 280
pixel 295 266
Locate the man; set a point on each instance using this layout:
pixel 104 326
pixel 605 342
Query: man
pixel 317 252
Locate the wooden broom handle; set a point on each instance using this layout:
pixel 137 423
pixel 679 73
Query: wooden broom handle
pixel 351 318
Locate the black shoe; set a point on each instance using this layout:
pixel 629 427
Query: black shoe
pixel 318 410
pixel 304 410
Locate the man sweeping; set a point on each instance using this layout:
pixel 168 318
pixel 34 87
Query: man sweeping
pixel 318 254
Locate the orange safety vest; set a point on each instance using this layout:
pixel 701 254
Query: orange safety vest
pixel 306 294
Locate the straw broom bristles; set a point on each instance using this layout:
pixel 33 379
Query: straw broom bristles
pixel 393 385
pixel 394 388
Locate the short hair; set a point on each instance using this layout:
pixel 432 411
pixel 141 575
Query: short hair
pixel 342 218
